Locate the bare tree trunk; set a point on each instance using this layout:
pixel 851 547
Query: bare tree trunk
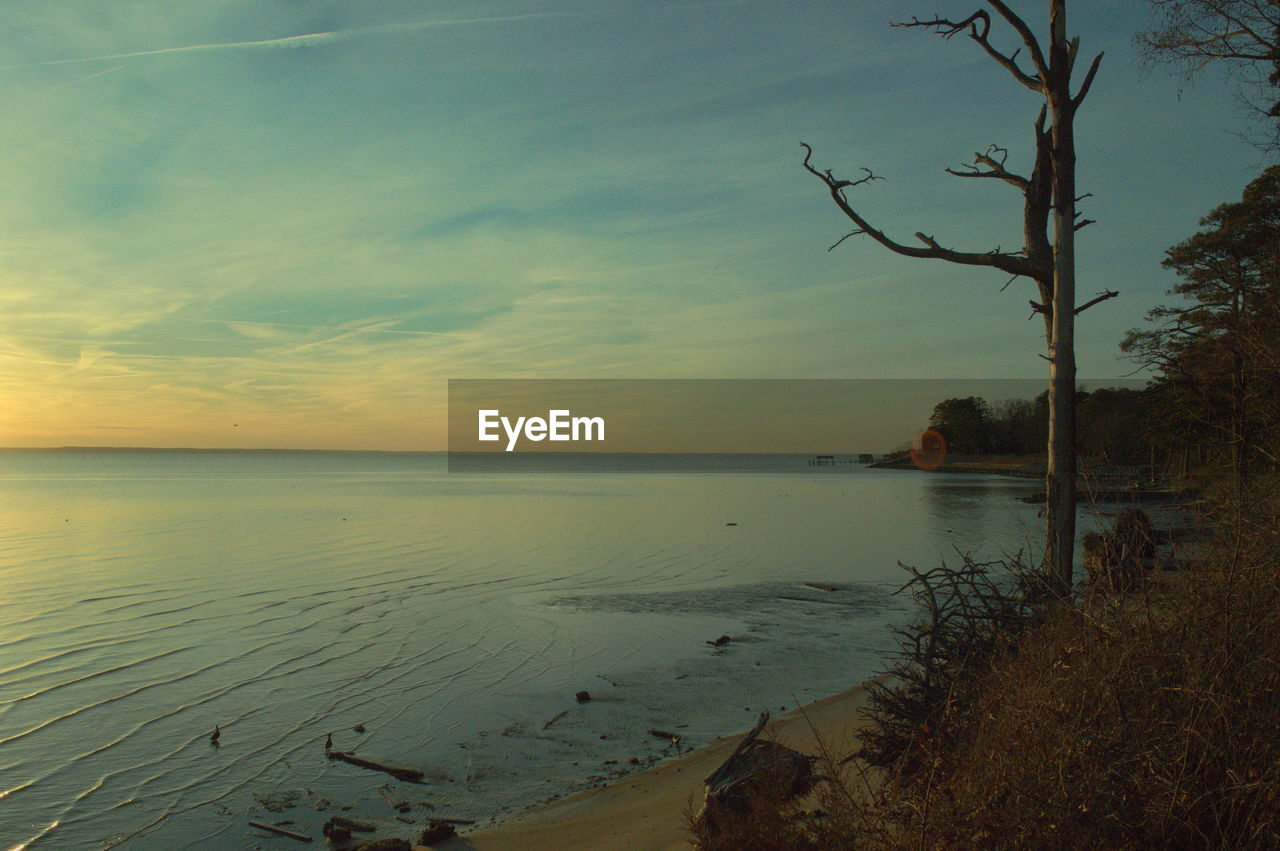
pixel 1049 190
pixel 1060 513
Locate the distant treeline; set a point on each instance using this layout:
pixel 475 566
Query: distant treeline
pixel 1112 425
pixel 1213 402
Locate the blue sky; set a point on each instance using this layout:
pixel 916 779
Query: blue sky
pixel 287 223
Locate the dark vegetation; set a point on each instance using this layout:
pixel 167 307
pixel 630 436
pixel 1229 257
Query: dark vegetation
pixel 1112 425
pixel 1144 719
pixel 1216 352
pixel 1140 713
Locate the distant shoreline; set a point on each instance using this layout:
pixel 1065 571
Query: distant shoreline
pixel 1018 466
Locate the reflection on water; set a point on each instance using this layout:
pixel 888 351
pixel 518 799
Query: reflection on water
pixel 441 619
pixel 973 512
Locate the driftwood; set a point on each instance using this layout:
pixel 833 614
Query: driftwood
pixel 436 831
pixel 812 600
pixel 398 806
pixel 554 720
pixel 335 832
pixel 301 837
pixel 411 775
pixel 754 768
pixel 714 777
pixel 674 738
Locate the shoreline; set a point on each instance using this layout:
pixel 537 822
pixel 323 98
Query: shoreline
pixel 646 810
pixel 1017 466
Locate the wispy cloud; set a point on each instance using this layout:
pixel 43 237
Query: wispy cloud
pixel 302 245
pixel 87 77
pixel 258 329
pixel 303 40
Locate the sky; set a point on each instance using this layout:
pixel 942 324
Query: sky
pixel 287 223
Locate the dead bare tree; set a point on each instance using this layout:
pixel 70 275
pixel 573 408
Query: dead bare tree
pixel 1048 256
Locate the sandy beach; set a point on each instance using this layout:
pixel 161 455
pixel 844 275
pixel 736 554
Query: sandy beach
pixel 646 810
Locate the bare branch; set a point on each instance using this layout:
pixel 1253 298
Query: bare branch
pixel 994 159
pixel 1083 223
pixel 843 238
pixel 928 240
pixel 979 27
pixel 1088 80
pixel 1103 296
pixel 1028 38
pixel 947 28
pixel 1013 264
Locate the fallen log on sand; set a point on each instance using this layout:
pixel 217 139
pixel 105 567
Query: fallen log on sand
pixel 755 767
pixel 554 720
pixel 398 806
pixel 674 738
pixel 411 775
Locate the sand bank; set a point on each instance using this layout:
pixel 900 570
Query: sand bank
pixel 646 810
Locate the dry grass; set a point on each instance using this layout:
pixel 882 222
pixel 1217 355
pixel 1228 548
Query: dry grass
pixel 1145 719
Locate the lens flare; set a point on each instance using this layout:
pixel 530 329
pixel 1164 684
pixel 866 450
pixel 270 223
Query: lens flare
pixel 928 450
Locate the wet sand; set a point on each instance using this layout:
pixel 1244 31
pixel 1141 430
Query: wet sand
pixel 646 810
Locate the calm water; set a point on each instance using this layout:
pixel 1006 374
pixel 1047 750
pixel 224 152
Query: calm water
pixel 148 597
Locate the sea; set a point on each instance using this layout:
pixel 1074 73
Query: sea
pixel 441 620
